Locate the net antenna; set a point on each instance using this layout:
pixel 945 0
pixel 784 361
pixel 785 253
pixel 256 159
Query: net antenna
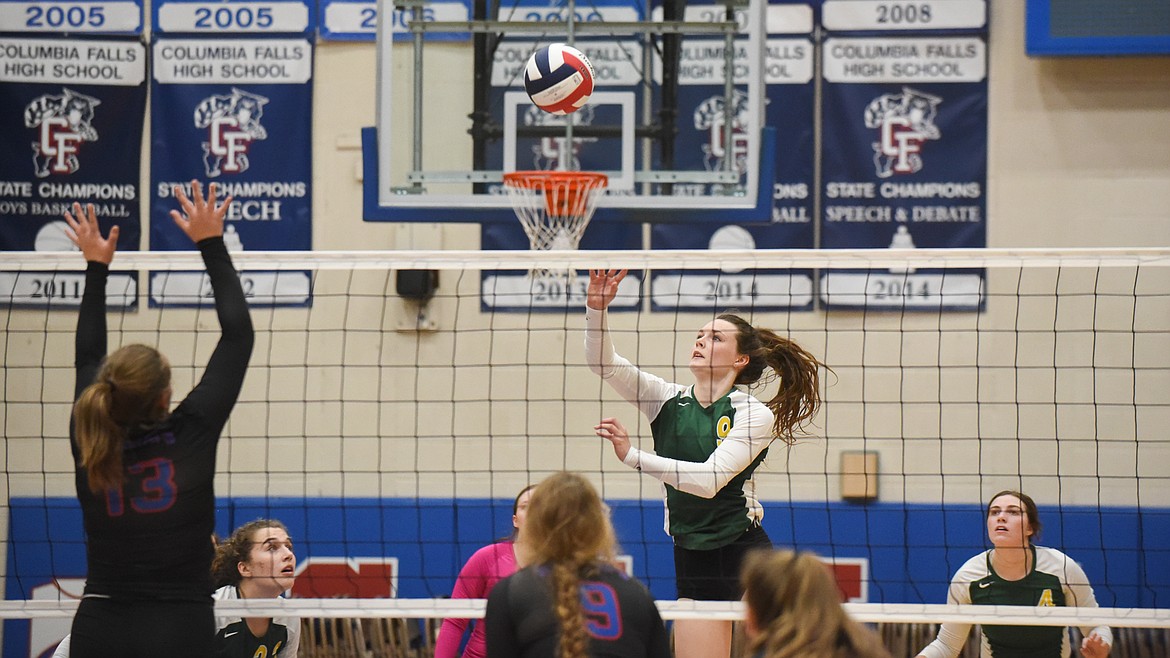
pixel 554 207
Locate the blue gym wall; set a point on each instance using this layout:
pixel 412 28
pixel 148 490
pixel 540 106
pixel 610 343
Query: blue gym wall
pixel 912 549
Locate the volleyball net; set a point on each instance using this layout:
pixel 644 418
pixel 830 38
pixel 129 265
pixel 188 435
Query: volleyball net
pixel 389 425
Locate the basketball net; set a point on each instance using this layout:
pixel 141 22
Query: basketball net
pixel 554 207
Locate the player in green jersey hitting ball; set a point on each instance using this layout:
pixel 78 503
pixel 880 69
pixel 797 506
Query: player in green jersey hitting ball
pixel 709 438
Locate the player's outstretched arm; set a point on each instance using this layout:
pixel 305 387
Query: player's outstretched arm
pixel 90 341
pixel 84 232
pixel 200 218
pixel 603 287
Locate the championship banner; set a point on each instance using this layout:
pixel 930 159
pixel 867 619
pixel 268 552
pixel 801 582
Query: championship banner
pixel 71 121
pixel 615 63
pixel 357 20
pixel 904 155
pixel 520 292
pixel 235 112
pixel 234 17
pixel 718 290
pixel 788 76
pixel 105 17
pixel 789 73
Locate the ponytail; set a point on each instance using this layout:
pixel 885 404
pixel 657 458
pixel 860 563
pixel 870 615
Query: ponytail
pixel 126 394
pixel 99 438
pixel 799 395
pixel 567 605
pixel 568 529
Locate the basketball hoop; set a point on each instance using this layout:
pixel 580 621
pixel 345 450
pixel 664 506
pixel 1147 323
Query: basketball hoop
pixel 554 207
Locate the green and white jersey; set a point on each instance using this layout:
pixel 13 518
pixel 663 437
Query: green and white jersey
pixel 1055 580
pixel 706 456
pixel 233 639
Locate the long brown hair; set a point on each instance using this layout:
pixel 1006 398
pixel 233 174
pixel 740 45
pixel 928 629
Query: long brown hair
pixel 230 552
pixel 796 606
pixel 799 394
pixel 125 394
pixel 569 531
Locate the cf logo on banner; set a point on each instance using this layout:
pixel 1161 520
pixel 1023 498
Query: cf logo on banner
pixel 712 117
pixel 64 122
pixel 227 146
pixel 232 123
pixel 904 121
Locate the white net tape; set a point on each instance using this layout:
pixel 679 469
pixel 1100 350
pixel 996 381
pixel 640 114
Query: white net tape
pixel 670 610
pixel 454 259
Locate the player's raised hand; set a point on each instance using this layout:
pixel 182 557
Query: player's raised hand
pixel 200 218
pixel 84 232
pixel 603 287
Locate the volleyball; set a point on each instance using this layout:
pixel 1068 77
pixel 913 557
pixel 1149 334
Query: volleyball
pixel 558 78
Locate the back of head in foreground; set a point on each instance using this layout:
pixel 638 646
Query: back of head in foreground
pixel 568 529
pixel 794 610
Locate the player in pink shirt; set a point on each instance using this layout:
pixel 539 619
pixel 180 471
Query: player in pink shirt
pixel 483 570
